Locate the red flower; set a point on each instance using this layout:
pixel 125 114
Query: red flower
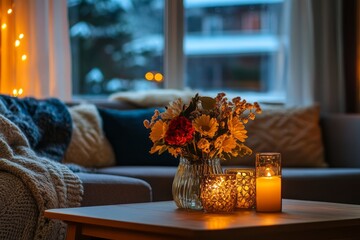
pixel 180 131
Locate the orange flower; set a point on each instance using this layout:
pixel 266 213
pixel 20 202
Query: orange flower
pixel 158 131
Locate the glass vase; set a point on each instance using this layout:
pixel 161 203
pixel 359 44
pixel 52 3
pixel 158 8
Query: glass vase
pixel 187 180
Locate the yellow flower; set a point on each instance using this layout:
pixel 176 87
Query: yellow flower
pixel 206 126
pixel 237 129
pixel 204 145
pixel 158 131
pixel 229 144
pixel 225 143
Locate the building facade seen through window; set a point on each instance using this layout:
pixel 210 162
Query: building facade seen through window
pixel 229 45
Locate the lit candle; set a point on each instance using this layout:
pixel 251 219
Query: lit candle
pixel 218 192
pixel 245 184
pixel 268 182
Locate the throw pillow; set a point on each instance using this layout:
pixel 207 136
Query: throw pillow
pixel 130 139
pixel 294 132
pixel 88 147
pixel 153 98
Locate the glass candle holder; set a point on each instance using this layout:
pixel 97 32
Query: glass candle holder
pixel 268 182
pixel 218 192
pixel 245 184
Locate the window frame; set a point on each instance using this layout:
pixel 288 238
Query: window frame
pixel 174 55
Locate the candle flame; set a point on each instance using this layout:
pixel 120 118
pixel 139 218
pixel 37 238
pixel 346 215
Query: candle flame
pixel 268 174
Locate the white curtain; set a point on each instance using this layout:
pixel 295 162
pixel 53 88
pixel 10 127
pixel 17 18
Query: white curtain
pixel 46 72
pixel 315 68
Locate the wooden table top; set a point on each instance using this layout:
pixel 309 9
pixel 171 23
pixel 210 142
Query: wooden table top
pixel 298 218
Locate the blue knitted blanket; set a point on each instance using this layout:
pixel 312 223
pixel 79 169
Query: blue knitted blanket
pixel 46 123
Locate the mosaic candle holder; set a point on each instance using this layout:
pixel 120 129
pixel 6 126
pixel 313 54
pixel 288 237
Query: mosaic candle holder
pixel 268 182
pixel 245 184
pixel 218 193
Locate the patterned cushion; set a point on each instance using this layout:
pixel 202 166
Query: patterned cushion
pixel 294 132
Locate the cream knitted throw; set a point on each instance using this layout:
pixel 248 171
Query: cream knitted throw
pixel 50 184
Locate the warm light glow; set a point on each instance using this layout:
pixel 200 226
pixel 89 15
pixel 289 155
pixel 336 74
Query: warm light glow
pixel 17 43
pixel 218 193
pixel 9 11
pixel 3 26
pixel 21 36
pixel 16 92
pixel 23 57
pixel 268 174
pixel 149 76
pixel 158 77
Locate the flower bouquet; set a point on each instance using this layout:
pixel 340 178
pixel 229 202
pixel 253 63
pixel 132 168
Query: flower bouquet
pixel 201 133
pixel 206 128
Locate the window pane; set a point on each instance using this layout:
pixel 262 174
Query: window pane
pixel 233 45
pixel 114 44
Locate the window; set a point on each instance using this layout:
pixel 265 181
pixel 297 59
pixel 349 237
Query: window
pixel 115 44
pixel 228 45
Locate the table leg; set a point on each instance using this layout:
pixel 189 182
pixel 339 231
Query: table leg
pixel 73 231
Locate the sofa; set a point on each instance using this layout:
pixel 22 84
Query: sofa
pixel 320 157
pixel 334 178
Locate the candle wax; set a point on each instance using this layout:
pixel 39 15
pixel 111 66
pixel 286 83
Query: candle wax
pixel 268 194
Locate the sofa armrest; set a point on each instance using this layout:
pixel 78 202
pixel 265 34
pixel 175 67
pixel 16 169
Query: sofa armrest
pixel 341 137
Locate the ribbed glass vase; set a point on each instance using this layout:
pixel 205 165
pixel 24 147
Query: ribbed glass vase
pixel 186 184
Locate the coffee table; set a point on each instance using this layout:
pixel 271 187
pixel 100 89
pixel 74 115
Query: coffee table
pixel 162 220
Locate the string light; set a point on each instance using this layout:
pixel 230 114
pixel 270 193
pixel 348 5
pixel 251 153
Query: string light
pixel 17 42
pixel 16 92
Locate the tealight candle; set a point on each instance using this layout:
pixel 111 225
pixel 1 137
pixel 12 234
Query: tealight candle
pixel 245 184
pixel 268 182
pixel 218 192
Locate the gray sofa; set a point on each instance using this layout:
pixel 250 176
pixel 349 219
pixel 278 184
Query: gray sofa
pixel 339 181
pixel 138 176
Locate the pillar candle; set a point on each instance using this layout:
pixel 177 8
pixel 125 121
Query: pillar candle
pixel 268 194
pixel 268 182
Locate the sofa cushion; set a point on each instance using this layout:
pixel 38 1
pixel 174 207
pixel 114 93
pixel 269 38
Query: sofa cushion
pixel 341 134
pixel 88 146
pixel 294 132
pixel 160 178
pixel 322 184
pixel 101 189
pixel 130 139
